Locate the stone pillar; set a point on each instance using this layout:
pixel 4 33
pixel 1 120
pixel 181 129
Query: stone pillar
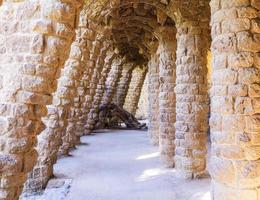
pixel 71 137
pixel 235 100
pixel 153 96
pixel 135 88
pixel 101 63
pixel 192 100
pixel 92 116
pixel 167 98
pixel 32 53
pixel 56 121
pixel 112 80
pixel 142 111
pixel 111 83
pixel 123 85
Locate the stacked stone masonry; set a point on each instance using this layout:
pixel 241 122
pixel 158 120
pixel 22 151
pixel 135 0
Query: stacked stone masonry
pixel 95 103
pixel 112 81
pixel 56 121
pixel 135 88
pixel 192 103
pixel 153 95
pixel 235 105
pixel 60 60
pixel 123 85
pixel 34 46
pixel 167 102
pixel 72 137
pixel 142 111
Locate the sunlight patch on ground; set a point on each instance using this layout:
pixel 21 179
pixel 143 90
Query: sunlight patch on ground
pixel 151 174
pixel 201 196
pixel 147 156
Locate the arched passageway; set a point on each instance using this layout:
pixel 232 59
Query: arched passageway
pixel 61 60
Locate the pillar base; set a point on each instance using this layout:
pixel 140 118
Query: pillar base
pixel 187 175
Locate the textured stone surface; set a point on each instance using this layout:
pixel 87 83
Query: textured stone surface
pixel 124 84
pixel 92 115
pixel 235 117
pixel 153 102
pixel 134 90
pixel 192 103
pixel 142 110
pixel 56 121
pixel 112 81
pixel 58 64
pixel 167 99
pixel 34 46
pixel 96 58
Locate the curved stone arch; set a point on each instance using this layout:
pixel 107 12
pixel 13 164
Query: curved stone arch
pixel 175 9
pixel 157 4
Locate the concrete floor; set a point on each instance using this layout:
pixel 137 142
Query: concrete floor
pixel 122 165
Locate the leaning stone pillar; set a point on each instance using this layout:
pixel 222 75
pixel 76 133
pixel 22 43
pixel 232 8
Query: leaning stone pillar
pixel 56 121
pixel 32 52
pixel 153 95
pixel 80 128
pixel 235 100
pixel 112 80
pixel 142 111
pixel 192 100
pixel 70 138
pixel 92 115
pixel 167 99
pixel 87 100
pixel 123 85
pixel 135 88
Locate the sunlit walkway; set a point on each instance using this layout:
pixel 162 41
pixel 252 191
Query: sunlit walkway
pixel 122 165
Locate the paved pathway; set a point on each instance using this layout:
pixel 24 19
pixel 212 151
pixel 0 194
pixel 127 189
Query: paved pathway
pixel 122 165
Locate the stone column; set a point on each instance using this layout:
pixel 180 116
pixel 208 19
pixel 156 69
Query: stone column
pixel 153 96
pixel 56 121
pixel 192 100
pixel 142 111
pixel 123 85
pixel 135 88
pixel 101 62
pixel 111 83
pixel 167 98
pixel 113 80
pixel 235 100
pixel 31 56
pixel 92 116
pixel 70 138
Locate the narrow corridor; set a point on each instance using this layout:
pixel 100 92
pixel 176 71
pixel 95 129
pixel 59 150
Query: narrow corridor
pixel 123 165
